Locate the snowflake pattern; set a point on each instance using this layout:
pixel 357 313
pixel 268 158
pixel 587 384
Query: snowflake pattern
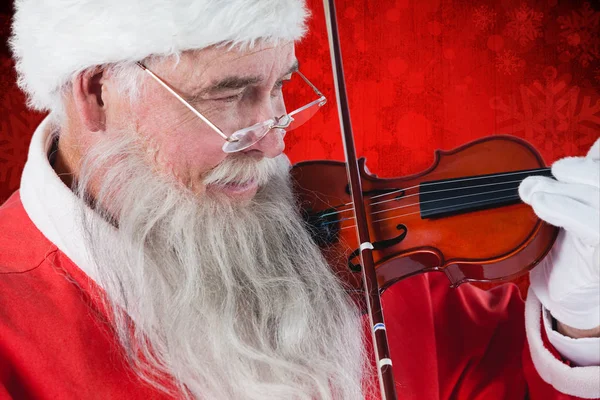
pixel 524 24
pixel 484 18
pixel 580 35
pixel 508 62
pixel 552 113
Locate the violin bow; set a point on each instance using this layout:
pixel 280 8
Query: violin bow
pixel 371 287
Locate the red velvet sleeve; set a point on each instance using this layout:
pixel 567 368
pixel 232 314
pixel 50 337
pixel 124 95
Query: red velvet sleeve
pixel 479 336
pixel 4 394
pixel 467 343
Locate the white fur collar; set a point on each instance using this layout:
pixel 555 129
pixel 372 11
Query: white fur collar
pixel 50 204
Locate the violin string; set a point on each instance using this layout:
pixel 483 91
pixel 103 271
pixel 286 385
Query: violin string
pixel 429 184
pixel 445 198
pixel 437 183
pixel 435 209
pixel 471 178
pixel 417 193
pixel 423 202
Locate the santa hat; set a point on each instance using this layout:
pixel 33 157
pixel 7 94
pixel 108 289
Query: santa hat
pixel 52 40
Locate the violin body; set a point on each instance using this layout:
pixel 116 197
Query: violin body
pixel 462 216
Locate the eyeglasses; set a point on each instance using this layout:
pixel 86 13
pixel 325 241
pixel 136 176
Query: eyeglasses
pixel 246 137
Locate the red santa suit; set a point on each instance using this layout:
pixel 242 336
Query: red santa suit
pixel 55 342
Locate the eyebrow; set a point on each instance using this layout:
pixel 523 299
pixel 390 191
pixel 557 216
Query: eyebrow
pixel 237 82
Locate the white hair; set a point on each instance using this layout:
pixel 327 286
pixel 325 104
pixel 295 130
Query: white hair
pixel 214 299
pixel 127 76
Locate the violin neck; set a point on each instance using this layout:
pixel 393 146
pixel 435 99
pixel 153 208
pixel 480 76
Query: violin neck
pixel 442 198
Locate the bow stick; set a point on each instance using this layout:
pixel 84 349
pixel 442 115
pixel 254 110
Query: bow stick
pixel 371 287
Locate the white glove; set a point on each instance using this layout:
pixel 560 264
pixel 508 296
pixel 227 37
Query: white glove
pixel 567 281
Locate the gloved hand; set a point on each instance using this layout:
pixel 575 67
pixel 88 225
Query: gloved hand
pixel 567 281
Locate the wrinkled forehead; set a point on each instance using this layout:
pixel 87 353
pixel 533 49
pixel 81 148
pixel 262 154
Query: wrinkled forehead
pixel 266 60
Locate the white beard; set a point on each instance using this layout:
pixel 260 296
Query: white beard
pixel 226 301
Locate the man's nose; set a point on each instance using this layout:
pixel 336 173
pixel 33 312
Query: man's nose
pixel 271 145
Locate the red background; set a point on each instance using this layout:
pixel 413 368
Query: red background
pixel 422 75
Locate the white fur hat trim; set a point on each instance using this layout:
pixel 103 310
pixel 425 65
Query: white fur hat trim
pixel 54 39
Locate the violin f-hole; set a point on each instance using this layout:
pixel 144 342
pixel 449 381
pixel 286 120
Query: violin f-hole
pixel 379 245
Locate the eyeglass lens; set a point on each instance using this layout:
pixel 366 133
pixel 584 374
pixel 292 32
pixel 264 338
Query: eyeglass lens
pixel 303 114
pixel 249 136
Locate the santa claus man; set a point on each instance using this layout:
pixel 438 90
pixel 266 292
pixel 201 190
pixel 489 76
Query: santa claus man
pixel 154 249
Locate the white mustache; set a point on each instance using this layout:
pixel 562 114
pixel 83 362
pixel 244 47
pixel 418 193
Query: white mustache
pixel 241 170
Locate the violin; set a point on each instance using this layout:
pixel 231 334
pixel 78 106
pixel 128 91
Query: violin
pixel 462 216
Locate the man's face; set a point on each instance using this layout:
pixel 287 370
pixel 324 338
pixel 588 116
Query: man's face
pixel 233 89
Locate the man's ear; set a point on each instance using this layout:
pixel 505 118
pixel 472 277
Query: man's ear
pixel 87 94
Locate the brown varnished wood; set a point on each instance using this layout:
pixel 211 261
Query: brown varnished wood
pixel 487 245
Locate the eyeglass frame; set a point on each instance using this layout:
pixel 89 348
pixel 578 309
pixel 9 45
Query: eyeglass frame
pixel 272 125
